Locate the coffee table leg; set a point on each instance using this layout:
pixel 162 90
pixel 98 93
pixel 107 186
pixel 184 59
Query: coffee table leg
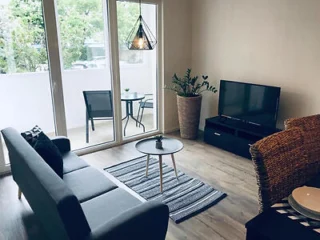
pixel 174 165
pixel 148 158
pixel 160 167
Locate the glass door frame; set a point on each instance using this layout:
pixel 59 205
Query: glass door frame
pixel 111 6
pixel 113 29
pixel 55 74
pixel 3 167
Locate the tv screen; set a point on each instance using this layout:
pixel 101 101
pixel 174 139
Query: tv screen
pixel 249 102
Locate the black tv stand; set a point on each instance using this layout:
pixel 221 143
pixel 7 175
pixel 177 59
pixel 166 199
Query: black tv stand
pixel 234 135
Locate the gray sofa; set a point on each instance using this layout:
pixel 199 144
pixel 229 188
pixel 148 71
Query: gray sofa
pixel 85 204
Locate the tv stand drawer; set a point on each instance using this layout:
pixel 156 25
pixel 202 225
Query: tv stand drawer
pixel 219 139
pixel 228 142
pixel 232 137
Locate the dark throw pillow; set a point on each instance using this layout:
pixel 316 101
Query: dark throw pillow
pixel 32 135
pixel 50 153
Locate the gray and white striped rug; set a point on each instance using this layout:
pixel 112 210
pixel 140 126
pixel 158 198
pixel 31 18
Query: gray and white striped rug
pixel 185 196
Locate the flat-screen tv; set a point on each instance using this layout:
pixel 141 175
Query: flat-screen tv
pixel 257 104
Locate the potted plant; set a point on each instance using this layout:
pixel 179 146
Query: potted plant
pixel 126 91
pixel 159 141
pixel 189 98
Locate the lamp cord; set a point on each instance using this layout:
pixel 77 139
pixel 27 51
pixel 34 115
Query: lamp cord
pixel 140 7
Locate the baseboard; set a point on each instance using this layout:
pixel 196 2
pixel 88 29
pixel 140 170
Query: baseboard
pixel 5 172
pixel 175 129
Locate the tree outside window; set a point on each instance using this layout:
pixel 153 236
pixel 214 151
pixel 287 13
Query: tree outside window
pixel 81 25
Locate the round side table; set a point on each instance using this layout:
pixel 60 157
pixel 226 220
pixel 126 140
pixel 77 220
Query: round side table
pixel 169 147
pixel 129 98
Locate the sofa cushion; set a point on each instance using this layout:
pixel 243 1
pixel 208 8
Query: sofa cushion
pixel 50 153
pixel 87 183
pixel 103 208
pixel 32 135
pixel 72 162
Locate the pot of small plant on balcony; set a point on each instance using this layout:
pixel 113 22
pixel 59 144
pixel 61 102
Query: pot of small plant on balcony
pixel 189 89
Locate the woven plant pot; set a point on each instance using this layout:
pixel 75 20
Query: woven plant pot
pixel 189 116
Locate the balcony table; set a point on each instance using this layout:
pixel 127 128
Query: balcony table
pixel 129 98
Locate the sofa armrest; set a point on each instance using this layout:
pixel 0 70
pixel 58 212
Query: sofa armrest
pixel 144 222
pixel 63 143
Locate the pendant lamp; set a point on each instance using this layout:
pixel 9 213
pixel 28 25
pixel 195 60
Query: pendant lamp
pixel 141 37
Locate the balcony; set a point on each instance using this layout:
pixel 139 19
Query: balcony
pixel 26 101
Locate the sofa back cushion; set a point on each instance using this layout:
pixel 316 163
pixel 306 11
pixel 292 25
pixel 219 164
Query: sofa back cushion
pixel 51 200
pixel 50 153
pixel 32 135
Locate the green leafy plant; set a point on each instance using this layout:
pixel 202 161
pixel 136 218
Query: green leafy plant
pixel 23 47
pixel 159 138
pixel 127 89
pixel 189 86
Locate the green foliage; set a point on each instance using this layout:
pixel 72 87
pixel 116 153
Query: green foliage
pixel 79 21
pixel 159 138
pixel 128 14
pixel 22 38
pixel 22 31
pixel 189 86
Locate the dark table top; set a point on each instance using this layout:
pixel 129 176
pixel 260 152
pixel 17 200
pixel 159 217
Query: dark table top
pixel 132 96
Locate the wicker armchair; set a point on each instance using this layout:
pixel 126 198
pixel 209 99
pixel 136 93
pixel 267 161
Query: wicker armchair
pixel 311 130
pixel 305 123
pixel 281 164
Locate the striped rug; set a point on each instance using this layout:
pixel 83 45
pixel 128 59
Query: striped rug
pixel 185 196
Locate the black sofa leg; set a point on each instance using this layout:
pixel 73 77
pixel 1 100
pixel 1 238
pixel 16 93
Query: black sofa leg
pixel 19 193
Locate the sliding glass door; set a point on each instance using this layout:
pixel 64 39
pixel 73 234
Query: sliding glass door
pixel 86 73
pixel 82 81
pixel 25 88
pixel 138 71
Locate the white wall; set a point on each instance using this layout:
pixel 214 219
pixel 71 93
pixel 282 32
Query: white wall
pixel 274 42
pixel 177 34
pixel 25 100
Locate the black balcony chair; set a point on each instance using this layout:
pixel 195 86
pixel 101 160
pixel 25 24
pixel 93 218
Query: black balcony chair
pixel 98 107
pixel 147 102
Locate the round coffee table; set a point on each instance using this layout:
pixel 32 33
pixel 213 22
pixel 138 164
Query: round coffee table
pixel 169 147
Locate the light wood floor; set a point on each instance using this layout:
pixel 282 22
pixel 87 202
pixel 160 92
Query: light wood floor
pixel 232 174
